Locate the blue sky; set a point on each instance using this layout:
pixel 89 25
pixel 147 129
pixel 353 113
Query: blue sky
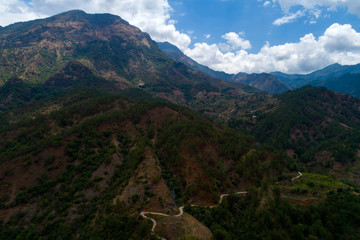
pixel 251 17
pixel 216 18
pixel 292 36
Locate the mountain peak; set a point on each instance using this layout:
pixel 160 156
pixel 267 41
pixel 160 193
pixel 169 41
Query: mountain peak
pixel 75 12
pixel 72 34
pixel 332 67
pixel 81 16
pixel 72 15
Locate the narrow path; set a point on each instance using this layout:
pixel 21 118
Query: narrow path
pixel 143 214
pixel 222 197
pixel 181 210
pixel 153 220
pixel 227 194
pixel 300 174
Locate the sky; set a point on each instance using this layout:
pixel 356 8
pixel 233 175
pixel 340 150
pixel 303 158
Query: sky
pixel 291 36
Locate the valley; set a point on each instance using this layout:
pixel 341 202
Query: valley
pixel 106 135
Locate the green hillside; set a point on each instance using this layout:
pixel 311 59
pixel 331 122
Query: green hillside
pixel 315 124
pixel 348 83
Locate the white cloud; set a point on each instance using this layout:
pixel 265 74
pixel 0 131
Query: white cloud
pixel 206 54
pixel 224 47
pixel 235 41
pixel 313 9
pixel 15 9
pixel 341 38
pixel 151 16
pixel 288 18
pixel 207 36
pixel 353 6
pixel 338 44
pixel 266 3
pixel 172 22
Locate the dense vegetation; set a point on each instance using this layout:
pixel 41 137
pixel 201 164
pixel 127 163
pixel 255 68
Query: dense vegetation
pixel 211 160
pixel 74 140
pixel 338 217
pixel 312 121
pixel 348 83
pixel 68 205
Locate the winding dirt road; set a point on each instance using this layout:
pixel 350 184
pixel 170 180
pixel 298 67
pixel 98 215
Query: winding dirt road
pixel 300 174
pixel 181 209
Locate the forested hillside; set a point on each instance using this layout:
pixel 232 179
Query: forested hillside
pixel 249 218
pixel 87 158
pixel 315 125
pixel 348 83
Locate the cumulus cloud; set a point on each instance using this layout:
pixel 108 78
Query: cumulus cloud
pixel 341 38
pixel 236 42
pixel 338 44
pixel 152 16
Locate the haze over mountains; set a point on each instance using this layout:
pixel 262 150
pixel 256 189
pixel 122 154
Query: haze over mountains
pixel 98 125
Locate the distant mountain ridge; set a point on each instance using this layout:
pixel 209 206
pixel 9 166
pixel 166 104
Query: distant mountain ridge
pixel 340 78
pixel 331 71
pixel 265 82
pixel 348 83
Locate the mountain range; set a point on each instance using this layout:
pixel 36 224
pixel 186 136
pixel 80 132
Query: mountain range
pixel 264 82
pixel 335 77
pixel 106 134
pixel 330 72
pixel 109 48
pixel 340 78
